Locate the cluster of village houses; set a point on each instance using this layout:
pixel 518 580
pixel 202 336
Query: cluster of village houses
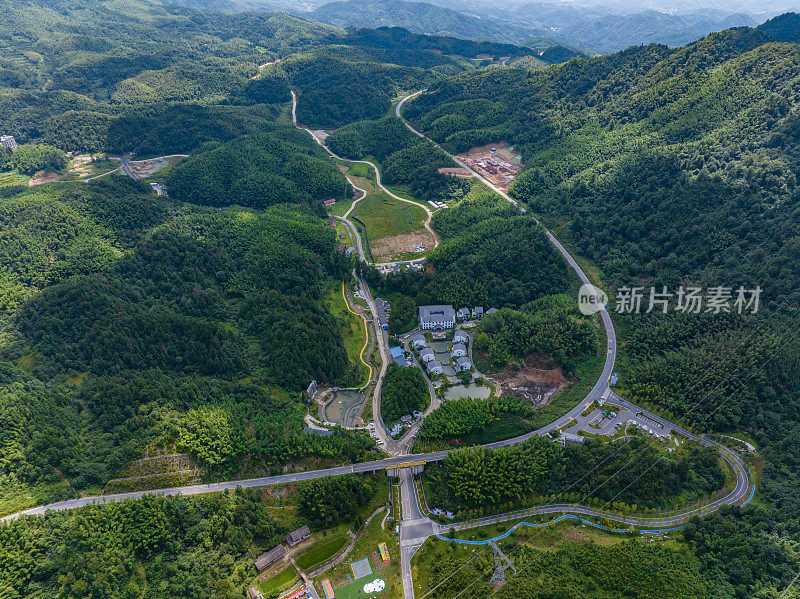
pixel 438 319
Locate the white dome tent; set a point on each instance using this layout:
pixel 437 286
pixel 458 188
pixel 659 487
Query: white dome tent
pixel 376 586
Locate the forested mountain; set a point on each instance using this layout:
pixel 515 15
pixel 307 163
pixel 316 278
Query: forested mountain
pixel 259 171
pixel 784 28
pixel 142 77
pixel 130 322
pixel 134 325
pixel 419 17
pixel 592 29
pixel 666 168
pixel 612 33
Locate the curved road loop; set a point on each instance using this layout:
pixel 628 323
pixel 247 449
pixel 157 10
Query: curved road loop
pixel 416 527
pixel 378 182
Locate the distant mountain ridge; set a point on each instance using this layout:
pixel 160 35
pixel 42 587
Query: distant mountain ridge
pixel 419 17
pixel 597 30
pixel 612 33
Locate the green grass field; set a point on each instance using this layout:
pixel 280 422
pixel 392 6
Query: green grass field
pixel 367 546
pixel 384 216
pixel 321 552
pixel 358 169
pixel 355 590
pixel 282 580
pixel 353 333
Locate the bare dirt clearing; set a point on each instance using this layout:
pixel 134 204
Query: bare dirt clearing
pixel 43 177
pixel 533 381
pixel 455 171
pixel 387 249
pixel 148 168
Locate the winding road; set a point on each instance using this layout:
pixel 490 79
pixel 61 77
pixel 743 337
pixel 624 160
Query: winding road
pixel 378 182
pixel 416 528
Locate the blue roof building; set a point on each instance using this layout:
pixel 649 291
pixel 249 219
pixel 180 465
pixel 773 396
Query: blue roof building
pixel 398 355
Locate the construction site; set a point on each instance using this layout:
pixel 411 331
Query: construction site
pixel 497 162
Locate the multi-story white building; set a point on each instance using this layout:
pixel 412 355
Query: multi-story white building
pixel 437 317
pixel 426 355
pixel 435 367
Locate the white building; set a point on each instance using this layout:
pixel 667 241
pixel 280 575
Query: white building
pixel 437 317
pixel 8 141
pixel 418 341
pixel 463 364
pixel 426 355
pixel 435 367
pixel 460 337
pixel 459 349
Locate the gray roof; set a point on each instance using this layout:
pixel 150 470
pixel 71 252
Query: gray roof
pixel 418 337
pixel 269 557
pixel 491 310
pixel 433 364
pixel 463 360
pixel 434 313
pixel 459 346
pixel 461 333
pixel 426 352
pixel 298 535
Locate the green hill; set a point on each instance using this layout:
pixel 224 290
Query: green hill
pixel 783 28
pixel 259 171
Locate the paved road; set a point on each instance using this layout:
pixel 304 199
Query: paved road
pixel 378 181
pixel 741 493
pixel 126 166
pixel 414 530
pixel 391 446
pixel 600 390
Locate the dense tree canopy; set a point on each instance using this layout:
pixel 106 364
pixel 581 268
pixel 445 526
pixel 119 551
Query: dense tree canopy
pixel 671 167
pixel 335 500
pixel 550 325
pixel 175 547
pixel 29 159
pixel 483 480
pixel 404 390
pixel 133 322
pixel 259 171
pixel 490 256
